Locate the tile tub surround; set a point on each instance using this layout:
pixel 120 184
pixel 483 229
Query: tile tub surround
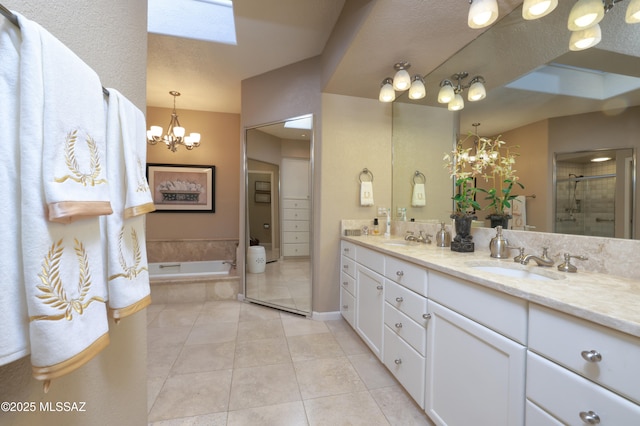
pixel 170 291
pixel 605 299
pixel 190 250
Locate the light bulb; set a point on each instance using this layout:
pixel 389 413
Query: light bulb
pixel 156 131
pixel 401 80
pixel 446 93
pixel 417 90
pixel 584 14
pixel 387 94
pixel 633 12
pixel 178 132
pixel 535 9
pixel 584 39
pixel 477 92
pixel 482 13
pixel 456 104
pixel 195 137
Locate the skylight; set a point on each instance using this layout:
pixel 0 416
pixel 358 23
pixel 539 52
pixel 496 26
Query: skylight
pixel 567 80
pixel 208 20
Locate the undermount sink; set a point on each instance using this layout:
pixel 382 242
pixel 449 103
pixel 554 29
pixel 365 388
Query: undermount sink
pixel 516 271
pixel 400 243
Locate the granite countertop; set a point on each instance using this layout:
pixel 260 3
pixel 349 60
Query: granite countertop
pixel 604 299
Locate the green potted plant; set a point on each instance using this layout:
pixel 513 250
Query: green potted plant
pixel 501 198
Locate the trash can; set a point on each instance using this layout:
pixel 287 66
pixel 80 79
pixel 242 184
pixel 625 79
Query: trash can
pixel 256 259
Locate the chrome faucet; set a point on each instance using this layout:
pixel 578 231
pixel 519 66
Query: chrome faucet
pixel 421 238
pixel 543 260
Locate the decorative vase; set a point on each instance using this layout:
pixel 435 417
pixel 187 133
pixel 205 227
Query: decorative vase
pixel 462 241
pixel 499 220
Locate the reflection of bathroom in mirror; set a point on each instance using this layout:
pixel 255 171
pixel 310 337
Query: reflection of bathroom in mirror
pixel 278 221
pixel 594 193
pixel 547 99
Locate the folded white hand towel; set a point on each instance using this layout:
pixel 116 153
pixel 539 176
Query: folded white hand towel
pixel 519 213
pixel 366 193
pixel 418 197
pixel 14 319
pixel 63 269
pixel 74 132
pixel 127 268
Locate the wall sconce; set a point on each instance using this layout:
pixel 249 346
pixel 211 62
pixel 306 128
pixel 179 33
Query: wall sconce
pixel 450 92
pixel 401 82
pixel 535 9
pixel 482 13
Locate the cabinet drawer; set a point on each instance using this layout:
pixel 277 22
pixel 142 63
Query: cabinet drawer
pixel 295 249
pixel 565 395
pixel 406 274
pixel 563 338
pixel 295 225
pixel 296 204
pixel 348 283
pixel 535 416
pixel 406 301
pixel 295 214
pixel 295 237
pixel 405 364
pixel 411 332
pixel 371 259
pixel 503 313
pixel 348 266
pixel 348 249
pixel 348 307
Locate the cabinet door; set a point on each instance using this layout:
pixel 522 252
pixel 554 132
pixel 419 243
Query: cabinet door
pixel 474 376
pixel 369 305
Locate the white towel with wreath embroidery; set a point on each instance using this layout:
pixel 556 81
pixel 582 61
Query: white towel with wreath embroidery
pixel 62 263
pixel 74 135
pixel 127 268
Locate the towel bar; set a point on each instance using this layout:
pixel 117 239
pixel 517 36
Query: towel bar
pixel 366 172
pixel 421 175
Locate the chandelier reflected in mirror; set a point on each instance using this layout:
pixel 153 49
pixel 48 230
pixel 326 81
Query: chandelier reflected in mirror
pixel 175 135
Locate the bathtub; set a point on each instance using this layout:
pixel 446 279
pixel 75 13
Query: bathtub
pixel 188 270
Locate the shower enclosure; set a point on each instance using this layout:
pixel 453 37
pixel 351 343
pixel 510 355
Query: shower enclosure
pixel 594 197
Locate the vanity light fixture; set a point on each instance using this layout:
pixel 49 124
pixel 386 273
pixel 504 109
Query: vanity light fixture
pixel 175 135
pixel 450 92
pixel 585 14
pixel 482 13
pixel 584 39
pixel 600 159
pixel 633 12
pixel 401 82
pixel 534 9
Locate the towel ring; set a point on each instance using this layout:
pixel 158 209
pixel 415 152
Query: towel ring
pixel 418 174
pixel 366 172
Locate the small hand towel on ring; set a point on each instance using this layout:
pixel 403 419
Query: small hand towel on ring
pixel 418 197
pixel 366 193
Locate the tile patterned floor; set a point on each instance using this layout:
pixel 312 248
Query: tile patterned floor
pixel 234 363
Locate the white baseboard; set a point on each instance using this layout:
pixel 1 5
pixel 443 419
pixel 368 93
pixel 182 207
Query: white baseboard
pixel 326 316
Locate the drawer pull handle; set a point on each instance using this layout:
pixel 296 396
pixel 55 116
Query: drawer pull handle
pixel 426 316
pixel 345 267
pixel 399 299
pixel 400 273
pixel 591 356
pixel 346 249
pixel 397 361
pixel 398 325
pixel 379 287
pixel 345 306
pixel 345 283
pixel 590 417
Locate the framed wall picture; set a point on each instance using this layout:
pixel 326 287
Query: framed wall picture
pixel 262 186
pixel 182 188
pixel 262 197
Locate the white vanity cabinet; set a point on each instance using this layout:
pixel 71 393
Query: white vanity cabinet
pixel 475 358
pixel 370 298
pixel 348 283
pixel 580 372
pixel 405 317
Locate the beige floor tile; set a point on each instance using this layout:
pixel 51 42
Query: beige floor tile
pixel 350 342
pixel 217 419
pixel 219 311
pixel 192 394
pixel 175 318
pixel 253 312
pixel 253 353
pixel 371 371
pixel 265 385
pixel 355 409
pixel 207 357
pixel 338 325
pixel 399 408
pixel 325 377
pixel 287 414
pixel 154 385
pixel 161 337
pixel 295 326
pixel 260 329
pixel 213 333
pixel 314 346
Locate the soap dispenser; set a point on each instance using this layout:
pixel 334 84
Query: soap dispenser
pixel 498 245
pixel 443 237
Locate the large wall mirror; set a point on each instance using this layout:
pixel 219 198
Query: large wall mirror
pixel 279 165
pixel 554 104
